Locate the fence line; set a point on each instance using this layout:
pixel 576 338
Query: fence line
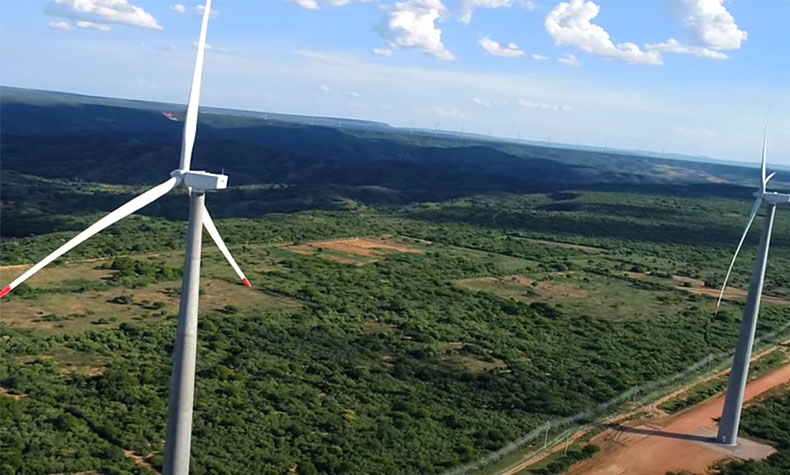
pixel 649 390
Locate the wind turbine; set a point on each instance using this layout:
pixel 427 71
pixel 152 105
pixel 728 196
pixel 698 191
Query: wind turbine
pixel 731 414
pixel 179 426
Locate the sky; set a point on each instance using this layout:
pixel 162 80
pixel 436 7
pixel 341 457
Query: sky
pixel 697 77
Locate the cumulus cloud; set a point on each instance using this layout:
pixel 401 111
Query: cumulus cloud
pixel 528 104
pixel 539 57
pixel 412 24
pixel 324 88
pixel 61 25
pixel 569 60
pixel 317 4
pixel 179 8
pixel 119 12
pixel 481 102
pixel 382 52
pixel 570 24
pixel 713 25
pixel 711 30
pixel 89 25
pixel 510 50
pixel 674 46
pixel 468 7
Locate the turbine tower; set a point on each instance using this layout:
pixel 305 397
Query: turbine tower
pixel 179 426
pixel 731 414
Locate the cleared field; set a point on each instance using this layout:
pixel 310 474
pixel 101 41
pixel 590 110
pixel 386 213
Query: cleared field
pixel 62 312
pixel 471 359
pixel 357 251
pixel 580 293
pixel 523 288
pixel 57 275
pixel 697 287
pixel 72 361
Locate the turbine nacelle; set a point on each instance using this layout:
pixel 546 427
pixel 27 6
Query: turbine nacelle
pixel 776 198
pixel 200 180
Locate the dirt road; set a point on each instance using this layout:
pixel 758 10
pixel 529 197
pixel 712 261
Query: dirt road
pixel 677 443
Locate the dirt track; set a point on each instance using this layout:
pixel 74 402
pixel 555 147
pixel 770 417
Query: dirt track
pixel 677 443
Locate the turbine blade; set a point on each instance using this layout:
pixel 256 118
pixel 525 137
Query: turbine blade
pixel 125 210
pixel 212 231
pixel 749 222
pixel 190 123
pixel 770 177
pixel 764 181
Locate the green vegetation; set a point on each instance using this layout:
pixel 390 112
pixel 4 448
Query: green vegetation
pixel 561 462
pixel 708 389
pixel 386 364
pixel 388 367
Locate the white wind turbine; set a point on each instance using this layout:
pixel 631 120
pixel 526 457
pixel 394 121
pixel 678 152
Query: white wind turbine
pixel 179 427
pixel 731 414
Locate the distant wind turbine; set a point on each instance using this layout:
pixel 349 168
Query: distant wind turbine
pixel 179 426
pixel 731 414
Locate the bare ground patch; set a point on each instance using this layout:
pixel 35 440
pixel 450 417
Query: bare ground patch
pixel 697 286
pixel 61 312
pixel 523 288
pixel 732 294
pixel 355 251
pixel 469 358
pixel 139 459
pixel 6 392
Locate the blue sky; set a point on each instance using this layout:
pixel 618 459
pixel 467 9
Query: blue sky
pixel 686 76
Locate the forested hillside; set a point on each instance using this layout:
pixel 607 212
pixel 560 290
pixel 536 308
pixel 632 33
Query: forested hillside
pixel 408 315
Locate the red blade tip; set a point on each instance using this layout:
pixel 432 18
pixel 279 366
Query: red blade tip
pixel 5 291
pixel 245 282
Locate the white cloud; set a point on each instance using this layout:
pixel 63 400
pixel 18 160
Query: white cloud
pixel 674 46
pixel 713 25
pixel 539 57
pixel 569 60
pixel 120 12
pixel 382 52
pixel 711 29
pixel 178 8
pixel 199 10
pixel 528 104
pixel 469 6
pixel 510 50
pixel 570 24
pixel 89 25
pixel 355 95
pixel 61 25
pixel 528 5
pixel 481 102
pixel 412 24
pixel 324 88
pixel 316 4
